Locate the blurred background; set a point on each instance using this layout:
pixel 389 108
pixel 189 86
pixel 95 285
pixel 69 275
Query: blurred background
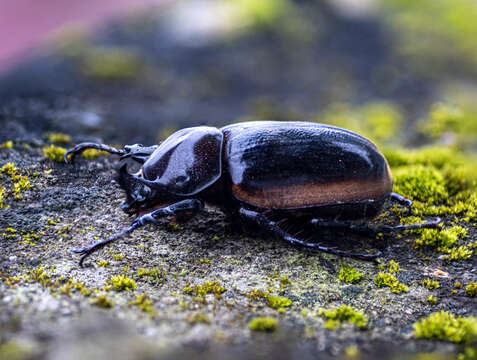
pixel 397 71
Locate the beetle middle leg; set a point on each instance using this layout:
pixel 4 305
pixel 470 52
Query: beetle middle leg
pixel 274 227
pixel 188 206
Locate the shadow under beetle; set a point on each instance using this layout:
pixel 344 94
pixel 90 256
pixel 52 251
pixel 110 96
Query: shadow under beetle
pixel 324 175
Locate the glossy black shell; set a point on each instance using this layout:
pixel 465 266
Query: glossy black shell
pixel 293 165
pixel 187 162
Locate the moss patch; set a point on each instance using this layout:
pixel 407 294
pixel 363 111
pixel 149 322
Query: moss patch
pixel 54 153
pixel 383 280
pixel 344 313
pixel 471 289
pixel 121 282
pixel 263 324
pixel 445 326
pixel 349 275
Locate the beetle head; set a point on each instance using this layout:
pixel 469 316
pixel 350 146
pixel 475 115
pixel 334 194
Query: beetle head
pixel 138 195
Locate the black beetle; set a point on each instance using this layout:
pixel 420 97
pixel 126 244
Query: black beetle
pixel 325 175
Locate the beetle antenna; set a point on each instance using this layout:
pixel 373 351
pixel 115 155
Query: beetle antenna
pixel 78 149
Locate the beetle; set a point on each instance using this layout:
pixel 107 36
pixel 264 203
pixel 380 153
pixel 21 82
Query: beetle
pixel 327 176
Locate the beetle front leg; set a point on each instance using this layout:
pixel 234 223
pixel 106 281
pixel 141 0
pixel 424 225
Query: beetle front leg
pixel 273 227
pixel 372 230
pixel 188 206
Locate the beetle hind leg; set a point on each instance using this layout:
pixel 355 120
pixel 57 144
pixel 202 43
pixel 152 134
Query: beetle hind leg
pixel 272 226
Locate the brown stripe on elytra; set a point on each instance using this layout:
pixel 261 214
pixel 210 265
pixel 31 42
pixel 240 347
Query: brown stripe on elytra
pixel 309 195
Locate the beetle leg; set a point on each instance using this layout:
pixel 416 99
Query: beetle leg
pixel 402 200
pixel 273 227
pixel 78 149
pixel 188 206
pixel 372 230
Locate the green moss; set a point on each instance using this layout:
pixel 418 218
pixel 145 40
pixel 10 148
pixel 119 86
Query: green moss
pixel 102 301
pixel 431 300
pixel 458 253
pixel 143 303
pixel 435 156
pixel 441 239
pixel 20 182
pixel 6 145
pixel 58 138
pixel 14 350
pixel 471 289
pixel 54 153
pixel 378 121
pixel 208 287
pixel 349 275
pixel 103 263
pixel 277 302
pixel 110 63
pixel 387 280
pixel 121 282
pixel 257 294
pixel 198 318
pixel 430 284
pixel 264 324
pixel 155 275
pixel 91 154
pixel 421 183
pixel 118 257
pixel 344 313
pixel 2 198
pixel 445 326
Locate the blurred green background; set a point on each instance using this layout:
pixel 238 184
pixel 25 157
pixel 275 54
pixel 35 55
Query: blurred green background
pixel 398 71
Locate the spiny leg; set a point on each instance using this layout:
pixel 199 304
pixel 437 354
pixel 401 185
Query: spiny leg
pixel 372 230
pixel 273 227
pixel 192 206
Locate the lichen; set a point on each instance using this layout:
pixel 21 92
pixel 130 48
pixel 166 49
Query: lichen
pixel 445 326
pixel 54 153
pixel 263 324
pixel 121 282
pixel 383 280
pixel 344 313
pixel 349 275
pixel 471 289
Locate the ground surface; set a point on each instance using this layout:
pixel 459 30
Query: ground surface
pixel 52 308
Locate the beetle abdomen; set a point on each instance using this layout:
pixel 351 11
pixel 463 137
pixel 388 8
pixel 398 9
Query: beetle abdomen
pixel 287 165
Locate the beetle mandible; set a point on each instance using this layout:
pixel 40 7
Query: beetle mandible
pixel 326 175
